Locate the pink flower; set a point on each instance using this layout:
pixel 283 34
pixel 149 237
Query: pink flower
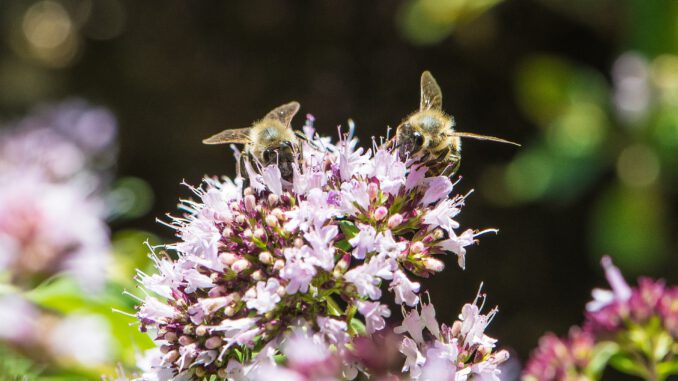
pixel 438 188
pixel 374 314
pixel 405 290
pixel 298 270
pixel 265 297
pixel 364 241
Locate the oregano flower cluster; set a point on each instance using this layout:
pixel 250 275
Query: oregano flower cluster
pixel 258 268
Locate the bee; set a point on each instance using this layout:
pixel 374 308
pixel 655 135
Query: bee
pixel 270 140
pixel 428 137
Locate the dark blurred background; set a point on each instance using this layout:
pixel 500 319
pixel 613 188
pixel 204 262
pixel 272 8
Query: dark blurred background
pixel 589 87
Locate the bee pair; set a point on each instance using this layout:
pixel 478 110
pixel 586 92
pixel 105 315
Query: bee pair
pixel 427 136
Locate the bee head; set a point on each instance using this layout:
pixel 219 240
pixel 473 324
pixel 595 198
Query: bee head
pixel 409 139
pixel 283 155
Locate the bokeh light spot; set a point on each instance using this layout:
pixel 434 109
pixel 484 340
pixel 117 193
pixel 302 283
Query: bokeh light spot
pixel 49 34
pixel 429 21
pixel 528 177
pixel 629 225
pixel 638 166
pixel 579 131
pixel 542 87
pixel 664 73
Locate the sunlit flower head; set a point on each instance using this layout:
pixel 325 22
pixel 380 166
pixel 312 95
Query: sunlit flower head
pixel 253 262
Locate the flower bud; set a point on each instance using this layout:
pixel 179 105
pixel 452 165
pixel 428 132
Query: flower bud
pixel 240 219
pixel 278 265
pixel 165 348
pixel 260 234
pixel 172 356
pixel 433 264
pixel 271 221
pixel 185 340
pixel 229 311
pixel 273 199
pixel 227 259
pixel 417 247
pixel 247 233
pixel 216 292
pixel 456 328
pixel 298 243
pixel 240 265
pixel 501 356
pixel 222 373
pixel 257 275
pixel 227 232
pixel 201 330
pixel 234 206
pixel 265 257
pixel 213 342
pixel 278 213
pixel 395 220
pixel 380 213
pixel 170 337
pixel 372 191
pixel 248 191
pixel 234 297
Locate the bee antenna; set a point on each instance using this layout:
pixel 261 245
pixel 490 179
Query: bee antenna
pixel 471 135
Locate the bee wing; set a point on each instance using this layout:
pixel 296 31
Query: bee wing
pixel 482 137
pixel 284 113
pixel 431 95
pixel 234 135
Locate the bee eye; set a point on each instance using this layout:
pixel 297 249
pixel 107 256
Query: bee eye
pixel 418 139
pixel 268 156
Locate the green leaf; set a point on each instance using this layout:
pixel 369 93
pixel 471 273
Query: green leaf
pixel 667 368
pixel 333 307
pixel 60 294
pixel 349 229
pixel 602 353
pixel 627 365
pixel 358 326
pixel 343 245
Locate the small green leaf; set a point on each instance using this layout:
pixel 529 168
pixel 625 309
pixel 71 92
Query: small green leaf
pixel 667 369
pixel 333 307
pixel 358 327
pixel 602 353
pixel 343 245
pixel 61 294
pixel 349 229
pixel 627 365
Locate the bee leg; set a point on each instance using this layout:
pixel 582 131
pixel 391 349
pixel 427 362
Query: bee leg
pixel 453 161
pixel 241 169
pixel 302 136
pixel 389 144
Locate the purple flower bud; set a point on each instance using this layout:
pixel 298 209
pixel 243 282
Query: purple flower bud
pixel 434 264
pixel 265 257
pixel 417 247
pixel 213 342
pixel 395 220
pixel 372 191
pixel 380 213
pixel 240 265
